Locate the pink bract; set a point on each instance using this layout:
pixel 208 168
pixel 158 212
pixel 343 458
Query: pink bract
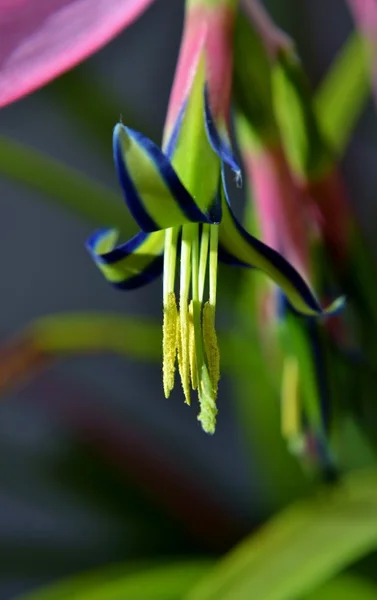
pixel 41 39
pixel 208 31
pixel 365 15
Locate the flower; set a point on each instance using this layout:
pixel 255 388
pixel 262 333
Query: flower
pixel 41 39
pixel 178 197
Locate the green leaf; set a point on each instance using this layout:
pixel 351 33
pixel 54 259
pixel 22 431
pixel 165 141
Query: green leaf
pixel 156 582
pixel 252 83
pixel 138 337
pixel 345 587
pixel 65 186
pixel 301 548
pixel 70 334
pixel 306 150
pixel 97 332
pixel 343 93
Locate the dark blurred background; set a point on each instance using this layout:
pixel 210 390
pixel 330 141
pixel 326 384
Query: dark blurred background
pixel 82 445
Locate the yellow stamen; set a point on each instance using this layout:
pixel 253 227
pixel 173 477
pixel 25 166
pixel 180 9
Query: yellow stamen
pixel 185 278
pixel 207 399
pixel 184 353
pixel 169 343
pixel 210 345
pixel 290 401
pixel 203 259
pixel 193 366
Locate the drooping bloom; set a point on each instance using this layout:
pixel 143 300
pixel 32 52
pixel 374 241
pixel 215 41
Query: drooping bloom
pixel 179 199
pixel 41 39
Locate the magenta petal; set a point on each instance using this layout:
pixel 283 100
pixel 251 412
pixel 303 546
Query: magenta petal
pixel 40 39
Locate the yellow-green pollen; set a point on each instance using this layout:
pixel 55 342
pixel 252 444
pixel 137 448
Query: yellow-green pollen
pixel 189 335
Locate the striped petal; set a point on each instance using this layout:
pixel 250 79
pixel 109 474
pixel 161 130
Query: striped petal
pixel 132 264
pixel 239 246
pixel 41 39
pixel 219 73
pixel 153 192
pixel 218 137
pixel 207 42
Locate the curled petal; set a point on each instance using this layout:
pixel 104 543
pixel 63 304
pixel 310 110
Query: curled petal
pixel 219 141
pixel 132 264
pixel 155 195
pixel 246 250
pixel 40 40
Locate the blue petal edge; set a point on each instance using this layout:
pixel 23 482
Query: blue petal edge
pixel 151 272
pixel 168 174
pixel 117 253
pixel 172 142
pixel 221 147
pixel 130 193
pixel 275 258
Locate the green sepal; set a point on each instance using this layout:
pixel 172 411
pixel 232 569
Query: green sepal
pixel 193 158
pixel 307 152
pixel 252 83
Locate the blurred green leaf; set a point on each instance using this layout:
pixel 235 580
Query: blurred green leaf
pixel 345 587
pixel 307 154
pixel 138 337
pixel 67 334
pixel 343 92
pixel 156 582
pixel 135 336
pixel 302 547
pixel 252 83
pixel 63 185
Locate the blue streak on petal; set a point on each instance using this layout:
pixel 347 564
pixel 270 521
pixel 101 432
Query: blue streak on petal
pixel 150 273
pixel 275 258
pixel 215 210
pixel 119 252
pixel 172 142
pixel 220 146
pixel 130 192
pixel 152 270
pixel 171 179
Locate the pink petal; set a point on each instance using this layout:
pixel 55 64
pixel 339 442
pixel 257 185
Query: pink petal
pixel 192 44
pixel 40 39
pixel 207 29
pixel 365 15
pixel 281 206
